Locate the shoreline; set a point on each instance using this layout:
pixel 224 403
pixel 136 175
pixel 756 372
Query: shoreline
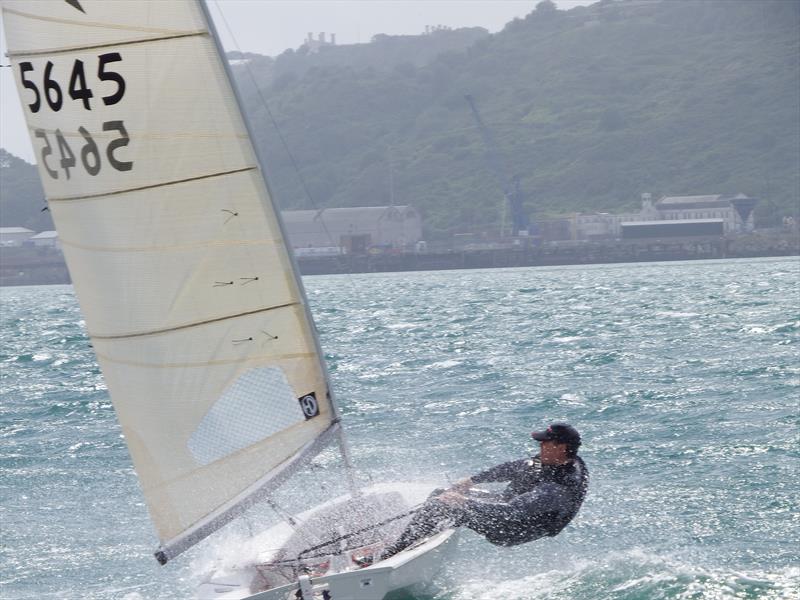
pixel 44 266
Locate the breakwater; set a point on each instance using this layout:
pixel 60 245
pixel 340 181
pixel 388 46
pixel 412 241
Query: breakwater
pixel 575 253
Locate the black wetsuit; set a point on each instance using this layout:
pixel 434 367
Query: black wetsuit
pixel 539 501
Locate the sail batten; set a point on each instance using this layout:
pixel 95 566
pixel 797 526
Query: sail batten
pixel 172 247
pixel 197 314
pixel 54 51
pixel 200 365
pixel 151 187
pixel 122 336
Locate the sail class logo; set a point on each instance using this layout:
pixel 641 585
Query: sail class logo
pixel 309 405
pixel 75 4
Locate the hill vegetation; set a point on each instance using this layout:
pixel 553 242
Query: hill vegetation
pixel 21 195
pixel 590 107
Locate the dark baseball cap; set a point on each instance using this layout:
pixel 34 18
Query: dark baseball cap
pixel 559 432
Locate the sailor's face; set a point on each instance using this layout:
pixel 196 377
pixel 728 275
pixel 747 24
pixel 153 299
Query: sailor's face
pixel 553 453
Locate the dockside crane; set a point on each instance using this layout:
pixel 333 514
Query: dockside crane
pixel 509 184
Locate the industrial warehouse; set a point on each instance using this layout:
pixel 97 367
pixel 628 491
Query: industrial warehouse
pixel 353 230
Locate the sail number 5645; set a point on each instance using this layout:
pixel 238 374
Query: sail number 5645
pixel 89 152
pixel 77 89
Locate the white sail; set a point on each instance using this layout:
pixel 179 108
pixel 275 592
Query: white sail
pixel 175 250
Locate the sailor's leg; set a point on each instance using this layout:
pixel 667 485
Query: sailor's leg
pixel 424 523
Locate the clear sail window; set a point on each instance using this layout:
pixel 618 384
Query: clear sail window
pixel 255 406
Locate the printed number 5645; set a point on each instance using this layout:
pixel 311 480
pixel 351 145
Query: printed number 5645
pixel 89 153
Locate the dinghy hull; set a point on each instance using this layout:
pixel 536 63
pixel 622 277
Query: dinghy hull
pixel 337 576
pixel 406 570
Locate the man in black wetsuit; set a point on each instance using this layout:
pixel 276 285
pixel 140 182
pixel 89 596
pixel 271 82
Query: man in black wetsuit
pixel 544 493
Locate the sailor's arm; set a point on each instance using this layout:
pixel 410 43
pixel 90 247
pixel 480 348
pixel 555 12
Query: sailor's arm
pixel 462 485
pixel 503 472
pixel 547 498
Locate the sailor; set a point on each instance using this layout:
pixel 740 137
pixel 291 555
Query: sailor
pixel 543 494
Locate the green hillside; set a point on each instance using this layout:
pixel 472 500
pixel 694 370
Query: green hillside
pixel 590 107
pixel 21 195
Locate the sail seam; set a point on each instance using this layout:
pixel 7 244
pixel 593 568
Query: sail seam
pixel 95 24
pixel 150 187
pixel 208 244
pixel 206 363
pixel 51 51
pixel 24 54
pixel 124 336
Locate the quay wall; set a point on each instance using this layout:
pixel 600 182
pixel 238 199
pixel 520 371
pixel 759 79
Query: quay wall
pixel 619 251
pixel 19 266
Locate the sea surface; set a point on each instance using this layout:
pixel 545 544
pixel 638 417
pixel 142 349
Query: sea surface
pixel 684 379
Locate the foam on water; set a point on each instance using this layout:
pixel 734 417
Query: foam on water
pixel 683 378
pixel 635 575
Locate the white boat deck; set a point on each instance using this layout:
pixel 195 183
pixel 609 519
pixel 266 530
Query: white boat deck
pixel 273 575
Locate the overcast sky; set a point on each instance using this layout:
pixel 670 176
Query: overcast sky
pixel 271 26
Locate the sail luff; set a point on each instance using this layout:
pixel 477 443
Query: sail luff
pixel 343 444
pixel 271 198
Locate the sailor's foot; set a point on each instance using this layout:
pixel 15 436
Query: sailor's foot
pixel 364 561
pixel 366 555
pixel 387 553
pixel 390 551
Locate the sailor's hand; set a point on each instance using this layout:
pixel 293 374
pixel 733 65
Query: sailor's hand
pixel 462 485
pixel 451 498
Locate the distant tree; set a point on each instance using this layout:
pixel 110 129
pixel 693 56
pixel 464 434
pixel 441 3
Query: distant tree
pixel 21 195
pixel 406 69
pixel 546 7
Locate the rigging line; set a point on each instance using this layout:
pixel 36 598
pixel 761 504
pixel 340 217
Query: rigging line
pixel 249 523
pixel 308 536
pixel 281 137
pixel 285 515
pixel 358 531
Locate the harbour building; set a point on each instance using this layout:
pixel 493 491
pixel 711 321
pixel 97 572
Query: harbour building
pixel 355 230
pixel 670 216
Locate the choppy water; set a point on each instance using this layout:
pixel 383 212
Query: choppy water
pixel 683 377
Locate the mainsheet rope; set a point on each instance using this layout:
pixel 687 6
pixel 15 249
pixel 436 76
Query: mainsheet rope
pixel 301 555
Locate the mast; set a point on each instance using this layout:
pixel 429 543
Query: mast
pixel 343 444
